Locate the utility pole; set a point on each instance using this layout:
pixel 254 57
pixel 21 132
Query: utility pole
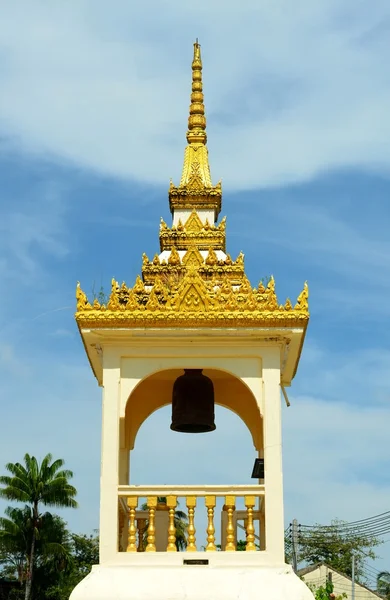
pixel 294 536
pixel 353 576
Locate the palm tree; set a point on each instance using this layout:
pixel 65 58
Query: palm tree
pixel 52 549
pixel 14 533
pixel 181 525
pixel 34 485
pixel 383 583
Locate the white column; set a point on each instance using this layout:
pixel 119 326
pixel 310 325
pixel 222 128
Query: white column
pixel 274 514
pixel 110 457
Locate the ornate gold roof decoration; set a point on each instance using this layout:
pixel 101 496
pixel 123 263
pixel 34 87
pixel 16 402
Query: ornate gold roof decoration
pixel 210 267
pixel 193 233
pixel 192 302
pixel 196 190
pixel 193 283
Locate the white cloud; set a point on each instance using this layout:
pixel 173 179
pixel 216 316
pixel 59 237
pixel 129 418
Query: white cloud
pixel 291 91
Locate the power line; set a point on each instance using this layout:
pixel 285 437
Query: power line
pixel 361 523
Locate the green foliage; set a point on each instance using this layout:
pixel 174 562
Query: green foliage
pixel 84 553
pixel 383 584
pixel 36 484
pixel 101 295
pixel 52 549
pixel 335 546
pixel 32 532
pixel 62 559
pixel 325 592
pixel 241 546
pixel 265 280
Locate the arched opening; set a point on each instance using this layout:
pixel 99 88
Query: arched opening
pixel 155 392
pixel 194 467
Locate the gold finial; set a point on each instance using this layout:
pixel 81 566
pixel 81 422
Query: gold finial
pixel 196 133
pixel 196 190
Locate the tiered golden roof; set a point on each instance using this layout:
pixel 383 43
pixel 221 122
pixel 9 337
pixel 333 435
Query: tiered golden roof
pixel 193 233
pixel 191 302
pixel 193 283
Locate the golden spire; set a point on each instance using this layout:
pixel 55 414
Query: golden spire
pixel 196 190
pixel 196 133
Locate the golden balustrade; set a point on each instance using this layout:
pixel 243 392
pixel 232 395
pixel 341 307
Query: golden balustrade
pixel 171 503
pixel 152 505
pixel 230 537
pixel 153 527
pixel 210 502
pixel 191 540
pixel 132 535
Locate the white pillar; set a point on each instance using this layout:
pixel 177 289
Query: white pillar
pixel 110 457
pixel 274 514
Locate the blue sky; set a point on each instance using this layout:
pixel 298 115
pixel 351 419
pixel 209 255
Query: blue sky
pixel 93 109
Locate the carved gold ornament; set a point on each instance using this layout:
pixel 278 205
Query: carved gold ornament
pixel 192 302
pixel 194 283
pixel 193 233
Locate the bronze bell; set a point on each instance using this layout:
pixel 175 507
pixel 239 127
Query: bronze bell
pixel 193 403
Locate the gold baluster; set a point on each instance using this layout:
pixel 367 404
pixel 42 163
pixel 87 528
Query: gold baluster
pixel 141 526
pixel 171 503
pixel 210 504
pixel 191 542
pixel 250 530
pixel 152 504
pixel 230 506
pixel 132 536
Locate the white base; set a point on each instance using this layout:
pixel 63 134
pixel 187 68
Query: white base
pixel 191 582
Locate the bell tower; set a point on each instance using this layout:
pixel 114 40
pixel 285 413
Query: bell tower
pixel 192 332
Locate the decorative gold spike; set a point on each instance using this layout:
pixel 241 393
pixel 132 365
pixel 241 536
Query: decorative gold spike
pixel 191 542
pixel 174 257
pixel 81 297
pixel 230 507
pixel 211 258
pixel 132 536
pixel 250 530
pixel 245 287
pixel 240 259
pixel 131 303
pixel 113 303
pixel 171 503
pixel 222 225
pixel 210 504
pixel 153 303
pixel 152 504
pixel 302 301
pixel 139 287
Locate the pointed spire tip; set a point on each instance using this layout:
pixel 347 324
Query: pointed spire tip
pixel 196 133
